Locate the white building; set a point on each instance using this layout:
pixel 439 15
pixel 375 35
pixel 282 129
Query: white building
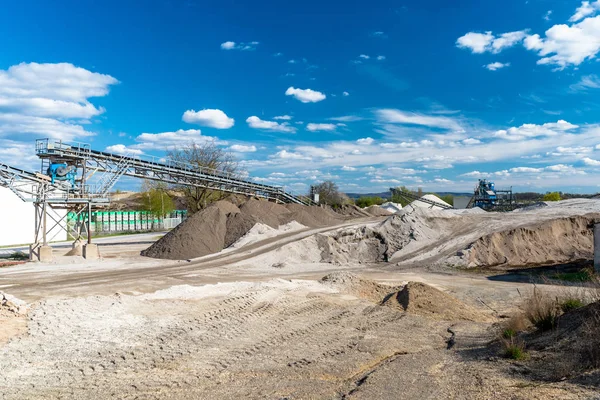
pixel 17 221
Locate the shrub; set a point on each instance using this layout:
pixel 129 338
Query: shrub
pixel 366 201
pixel 509 333
pixel 554 196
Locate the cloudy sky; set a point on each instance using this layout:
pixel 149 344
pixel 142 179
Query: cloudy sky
pixel 369 94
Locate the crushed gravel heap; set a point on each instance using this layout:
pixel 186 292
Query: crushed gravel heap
pixel 421 299
pixel 350 283
pixel 378 211
pixel 552 242
pixel 223 223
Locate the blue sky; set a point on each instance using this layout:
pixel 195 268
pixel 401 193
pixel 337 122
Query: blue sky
pixel 368 94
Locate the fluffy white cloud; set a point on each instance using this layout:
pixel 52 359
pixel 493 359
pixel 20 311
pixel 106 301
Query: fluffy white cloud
pixel 242 148
pixel 585 10
pixel 547 15
pixel 476 42
pixel 366 141
pixel 305 95
pixel 208 117
pixel 566 45
pixel 345 94
pixel 166 140
pixel 591 162
pixel 586 83
pixel 283 117
pixel 507 40
pixel 49 99
pixel 496 66
pixel 364 56
pixel 289 155
pixel 347 168
pixel 533 130
pixel 380 58
pixel 122 149
pixel 394 116
pixel 320 127
pixel 239 46
pixel 18 124
pixel 257 123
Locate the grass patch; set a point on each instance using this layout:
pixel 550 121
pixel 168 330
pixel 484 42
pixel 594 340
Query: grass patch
pixel 571 304
pixel 514 349
pixel 509 333
pixel 585 275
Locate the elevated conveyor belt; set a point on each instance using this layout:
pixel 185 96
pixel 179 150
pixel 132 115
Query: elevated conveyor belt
pixel 159 169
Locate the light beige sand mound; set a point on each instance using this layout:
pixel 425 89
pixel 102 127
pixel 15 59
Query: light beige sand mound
pixel 421 299
pixel 552 242
pixel 350 283
pixel 377 211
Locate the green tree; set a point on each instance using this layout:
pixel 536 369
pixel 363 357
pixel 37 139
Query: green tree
pixel 156 199
pixel 366 201
pixel 552 196
pixel 448 199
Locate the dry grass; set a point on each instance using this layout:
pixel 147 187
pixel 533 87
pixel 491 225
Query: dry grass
pixel 514 348
pixel 542 310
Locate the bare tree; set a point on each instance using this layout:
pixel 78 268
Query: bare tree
pixel 329 194
pixel 211 157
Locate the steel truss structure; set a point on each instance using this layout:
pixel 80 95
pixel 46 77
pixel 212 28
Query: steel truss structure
pixel 49 197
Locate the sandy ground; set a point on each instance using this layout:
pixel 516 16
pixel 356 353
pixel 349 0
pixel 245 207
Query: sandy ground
pixel 251 322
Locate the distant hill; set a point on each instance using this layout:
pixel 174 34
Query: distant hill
pixel 386 195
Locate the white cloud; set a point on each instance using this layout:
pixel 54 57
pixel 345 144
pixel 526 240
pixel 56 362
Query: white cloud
pixel 345 94
pixel 547 15
pixel 507 40
pixel 228 45
pixel 17 125
pixel 471 141
pixel 257 123
pixel 533 130
pixel 292 61
pixel 289 155
pixel 586 9
pixel 283 117
pixel 476 42
pixel 474 174
pixel 591 162
pixel 380 58
pixel 346 118
pixel 395 116
pixel 305 95
pixel 122 149
pixel 364 56
pixel 566 45
pixel 586 83
pixel 496 66
pixel 239 46
pixel 208 117
pixel 166 140
pixel 242 148
pixel 483 42
pixel 347 168
pixel 366 141
pixel 50 99
pixel 320 127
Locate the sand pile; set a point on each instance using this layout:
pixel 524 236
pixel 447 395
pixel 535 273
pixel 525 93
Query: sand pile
pixel 421 299
pixel 223 224
pixel 352 284
pixel 352 210
pixel 378 211
pixel 421 204
pixel 552 242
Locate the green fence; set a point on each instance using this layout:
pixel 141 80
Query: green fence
pixel 126 221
